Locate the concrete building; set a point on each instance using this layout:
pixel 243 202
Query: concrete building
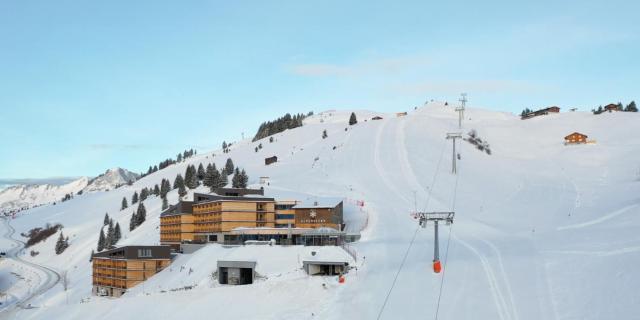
pixel 321 263
pixel 236 272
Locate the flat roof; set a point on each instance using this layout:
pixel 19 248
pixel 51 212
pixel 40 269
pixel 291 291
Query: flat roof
pixel 131 253
pixel 317 202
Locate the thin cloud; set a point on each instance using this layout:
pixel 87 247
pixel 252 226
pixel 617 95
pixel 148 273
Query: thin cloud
pixel 377 67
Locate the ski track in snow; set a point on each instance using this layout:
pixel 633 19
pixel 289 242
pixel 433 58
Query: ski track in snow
pixel 598 220
pixel 504 311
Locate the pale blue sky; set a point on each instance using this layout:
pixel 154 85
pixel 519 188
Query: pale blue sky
pixel 85 87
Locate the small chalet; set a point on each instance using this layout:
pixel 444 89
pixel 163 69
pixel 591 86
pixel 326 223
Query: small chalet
pixel 270 160
pixel 612 107
pixel 401 114
pixel 376 118
pixel 540 112
pixel 575 138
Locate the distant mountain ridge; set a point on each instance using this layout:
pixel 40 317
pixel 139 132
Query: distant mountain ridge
pixel 23 196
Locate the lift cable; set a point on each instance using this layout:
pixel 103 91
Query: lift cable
pixel 415 233
pixel 446 255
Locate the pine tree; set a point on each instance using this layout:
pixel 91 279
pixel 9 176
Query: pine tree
pixel 228 167
pixel 117 234
pixel 132 222
pixel 244 179
pixel 235 181
pixel 106 219
pixel 124 203
pixel 223 180
pixel 201 172
pixel 134 199
pixel 141 214
pixel 101 241
pixel 352 119
pixel 156 190
pixel 191 177
pixel 179 181
pixel 182 191
pixel 165 204
pixel 60 244
pixel 631 107
pixel 212 177
pixel 179 157
pixel 144 194
pixel 165 187
pixel 224 146
pixel 109 241
pixel 324 134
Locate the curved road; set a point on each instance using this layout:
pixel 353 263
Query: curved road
pixel 50 279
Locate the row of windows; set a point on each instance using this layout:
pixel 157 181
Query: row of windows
pixel 285 216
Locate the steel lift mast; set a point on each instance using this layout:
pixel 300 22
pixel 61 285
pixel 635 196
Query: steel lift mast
pixel 436 217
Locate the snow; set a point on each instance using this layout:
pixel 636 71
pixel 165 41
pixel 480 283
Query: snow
pixel 542 230
pixel 31 195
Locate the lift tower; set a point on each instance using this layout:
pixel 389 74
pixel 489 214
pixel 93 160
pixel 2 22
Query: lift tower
pixel 463 102
pixel 435 217
pixel 454 136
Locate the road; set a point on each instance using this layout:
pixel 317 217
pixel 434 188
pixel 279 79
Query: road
pixel 46 278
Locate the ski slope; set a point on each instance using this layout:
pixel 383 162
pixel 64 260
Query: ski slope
pixel 542 230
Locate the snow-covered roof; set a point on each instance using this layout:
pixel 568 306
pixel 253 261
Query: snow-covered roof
pixel 317 202
pixel 327 254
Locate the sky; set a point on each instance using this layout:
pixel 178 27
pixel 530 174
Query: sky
pixel 86 86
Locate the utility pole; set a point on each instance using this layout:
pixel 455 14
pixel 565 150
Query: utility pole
pixel 463 102
pixel 454 136
pixel 435 217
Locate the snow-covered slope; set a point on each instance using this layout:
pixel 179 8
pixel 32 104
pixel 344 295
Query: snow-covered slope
pixel 26 196
pixel 542 230
pixel 31 195
pixel 111 179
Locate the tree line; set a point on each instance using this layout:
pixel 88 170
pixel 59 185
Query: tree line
pixel 280 124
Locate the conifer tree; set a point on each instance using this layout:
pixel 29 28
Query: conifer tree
pixel 109 241
pixel 224 146
pixel 224 179
pixel 352 119
pixel 101 241
pixel 144 194
pixel 244 179
pixel 212 177
pixel 141 214
pixel 165 187
pixel 117 234
pixel 179 181
pixel 106 219
pixel 156 190
pixel 165 204
pixel 134 199
pixel 631 107
pixel 191 177
pixel 132 222
pixel 61 244
pixel 228 167
pixel 124 203
pixel 201 172
pixel 235 181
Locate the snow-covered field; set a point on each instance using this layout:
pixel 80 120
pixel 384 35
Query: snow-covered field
pixel 542 230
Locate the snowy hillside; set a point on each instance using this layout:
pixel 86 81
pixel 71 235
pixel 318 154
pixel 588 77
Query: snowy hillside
pixel 30 195
pixel 542 230
pixel 111 179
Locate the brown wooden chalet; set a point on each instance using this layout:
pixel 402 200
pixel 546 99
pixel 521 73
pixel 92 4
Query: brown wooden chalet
pixel 612 107
pixel 575 138
pixel 541 112
pixel 270 160
pixel 376 118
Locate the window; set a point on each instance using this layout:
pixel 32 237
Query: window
pixel 285 216
pixel 144 253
